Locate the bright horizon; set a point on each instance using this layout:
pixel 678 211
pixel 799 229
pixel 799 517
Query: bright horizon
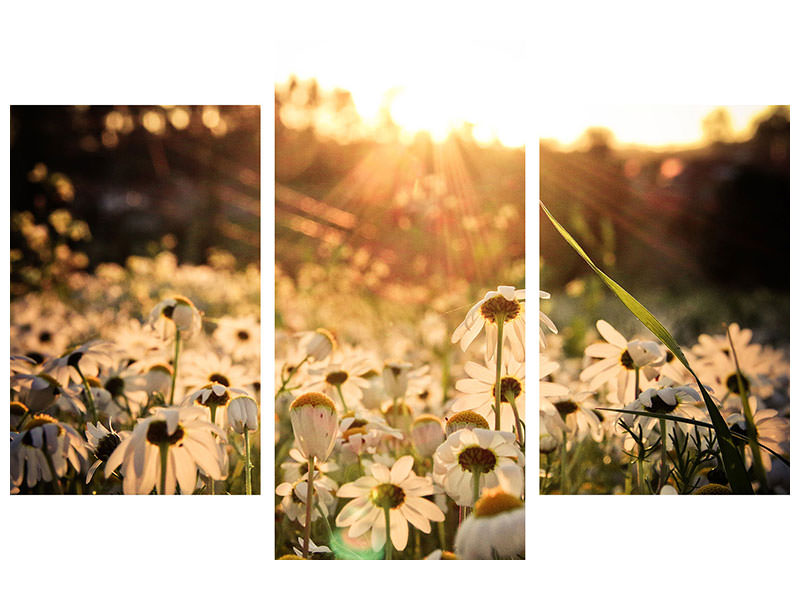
pixel 435 89
pixel 654 126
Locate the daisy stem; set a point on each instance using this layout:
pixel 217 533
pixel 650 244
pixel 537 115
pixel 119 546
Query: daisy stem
pixel 89 396
pixel 213 414
pixel 664 470
pixel 476 484
pixel 498 370
pixel 512 401
pixel 442 535
pixel 248 486
pixel 387 546
pixel 636 384
pixel 309 505
pixel 640 474
pixel 164 451
pixel 341 396
pixel 175 364
pixel 56 480
pixel 564 486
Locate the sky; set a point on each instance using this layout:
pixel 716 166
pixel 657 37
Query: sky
pixel 428 86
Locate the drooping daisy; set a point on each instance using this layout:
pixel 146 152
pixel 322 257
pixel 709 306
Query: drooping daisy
pixel 473 452
pixel 399 492
pixel 620 359
pixel 395 378
pixel 174 313
pixel 363 432
pixel 44 449
pixel 177 439
pixel 506 304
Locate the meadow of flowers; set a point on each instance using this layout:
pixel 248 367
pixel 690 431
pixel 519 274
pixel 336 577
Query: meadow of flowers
pixel 137 379
pixel 642 415
pixel 378 454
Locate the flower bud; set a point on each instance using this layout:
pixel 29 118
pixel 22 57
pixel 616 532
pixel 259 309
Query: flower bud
pixel 427 433
pixel 315 424
pixel 319 344
pixel 243 414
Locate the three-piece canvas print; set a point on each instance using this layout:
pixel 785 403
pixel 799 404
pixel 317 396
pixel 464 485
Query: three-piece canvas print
pixel 396 402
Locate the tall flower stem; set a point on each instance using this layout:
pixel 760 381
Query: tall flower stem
pixel 341 396
pixel 640 474
pixel 564 486
pixel 285 380
pixel 664 469
pixel 387 547
pixel 309 505
pixel 248 486
pixel 89 396
pixel 500 318
pixel 175 364
pixel 164 451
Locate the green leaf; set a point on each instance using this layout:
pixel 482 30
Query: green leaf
pixel 732 460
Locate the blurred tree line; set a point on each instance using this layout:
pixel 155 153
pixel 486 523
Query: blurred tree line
pixel 672 222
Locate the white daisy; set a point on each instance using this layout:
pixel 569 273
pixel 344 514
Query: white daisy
pixel 181 439
pixel 620 358
pixel 479 391
pixel 398 491
pixel 174 313
pixel 508 304
pixel 43 449
pixel 469 452
pixel 544 321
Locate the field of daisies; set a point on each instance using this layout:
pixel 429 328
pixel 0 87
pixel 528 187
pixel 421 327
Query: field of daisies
pixel 398 445
pixel 136 379
pixel 649 414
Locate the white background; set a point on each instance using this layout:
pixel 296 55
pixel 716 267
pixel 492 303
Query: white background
pixel 224 52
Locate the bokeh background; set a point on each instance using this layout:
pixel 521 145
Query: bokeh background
pixel 686 207
pixel 131 180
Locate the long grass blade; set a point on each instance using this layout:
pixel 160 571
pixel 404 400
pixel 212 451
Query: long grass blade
pixel 732 460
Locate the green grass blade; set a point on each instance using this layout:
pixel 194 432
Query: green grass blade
pixel 732 460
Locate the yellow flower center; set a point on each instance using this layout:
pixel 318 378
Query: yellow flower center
pixel 387 495
pixel 313 399
pixel 714 489
pixel 494 502
pixel 467 418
